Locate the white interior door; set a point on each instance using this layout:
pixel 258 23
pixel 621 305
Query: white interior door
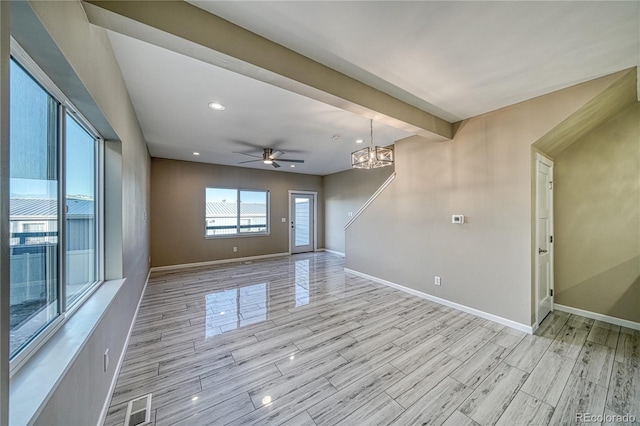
pixel 302 222
pixel 544 237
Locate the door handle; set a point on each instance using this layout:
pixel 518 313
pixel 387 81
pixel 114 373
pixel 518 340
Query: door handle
pixel 540 251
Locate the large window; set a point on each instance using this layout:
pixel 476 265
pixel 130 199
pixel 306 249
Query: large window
pixel 53 207
pixel 233 212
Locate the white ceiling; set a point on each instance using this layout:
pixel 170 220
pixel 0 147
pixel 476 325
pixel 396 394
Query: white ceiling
pixel 453 59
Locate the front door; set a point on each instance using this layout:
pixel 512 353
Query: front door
pixel 302 225
pixel 544 237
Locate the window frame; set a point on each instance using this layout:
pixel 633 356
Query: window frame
pixel 65 106
pixel 237 233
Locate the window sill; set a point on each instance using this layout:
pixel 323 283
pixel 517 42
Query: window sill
pixel 34 384
pixel 222 237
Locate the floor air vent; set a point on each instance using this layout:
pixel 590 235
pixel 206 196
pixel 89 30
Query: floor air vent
pixel 138 411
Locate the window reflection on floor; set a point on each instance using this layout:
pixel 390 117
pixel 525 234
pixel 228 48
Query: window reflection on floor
pixel 302 282
pixel 234 308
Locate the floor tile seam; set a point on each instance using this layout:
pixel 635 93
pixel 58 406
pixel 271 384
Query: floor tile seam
pixel 323 399
pixel 205 376
pixel 543 354
pixel 609 387
pixel 159 384
pixel 619 346
pixel 187 365
pixel 434 386
pixel 120 384
pixel 485 342
pixel 311 380
pixel 563 390
pixel 142 360
pixel 306 365
pixel 564 387
pixel 609 374
pixel 359 379
pixel 572 366
pixel 394 400
pixel 483 380
pixel 273 337
pixel 514 397
pixel 510 400
pixel 590 381
pixel 247 372
pixel 312 421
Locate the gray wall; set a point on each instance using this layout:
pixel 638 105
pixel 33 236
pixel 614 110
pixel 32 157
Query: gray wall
pixel 484 173
pixel 177 202
pixel 597 218
pixel 346 192
pixel 81 393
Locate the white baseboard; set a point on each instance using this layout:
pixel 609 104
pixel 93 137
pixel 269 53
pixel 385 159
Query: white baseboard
pixel 216 262
pixel 114 381
pixel 504 321
pixel 534 327
pixel 337 253
pixel 597 316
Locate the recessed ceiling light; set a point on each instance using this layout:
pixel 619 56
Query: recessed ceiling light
pixel 292 165
pixel 217 106
pixel 196 153
pixel 359 140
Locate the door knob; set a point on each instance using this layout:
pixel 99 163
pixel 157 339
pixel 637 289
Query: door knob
pixel 540 251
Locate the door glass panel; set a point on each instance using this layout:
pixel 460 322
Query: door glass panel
pixel 33 205
pixel 302 209
pixel 81 210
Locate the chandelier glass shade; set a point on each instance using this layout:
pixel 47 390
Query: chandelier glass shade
pixel 371 157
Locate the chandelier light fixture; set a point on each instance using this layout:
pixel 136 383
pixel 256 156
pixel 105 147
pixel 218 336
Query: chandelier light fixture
pixel 371 157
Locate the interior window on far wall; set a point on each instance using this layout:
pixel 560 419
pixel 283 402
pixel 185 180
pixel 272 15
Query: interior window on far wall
pixel 230 212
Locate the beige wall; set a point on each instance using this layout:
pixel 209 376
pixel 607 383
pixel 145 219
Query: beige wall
pixel 485 174
pixel 346 192
pixel 87 67
pixel 597 219
pixel 177 203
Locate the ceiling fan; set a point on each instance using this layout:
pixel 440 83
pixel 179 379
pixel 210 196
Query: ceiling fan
pixel 269 156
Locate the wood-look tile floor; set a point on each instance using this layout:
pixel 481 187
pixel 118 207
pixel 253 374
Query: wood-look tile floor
pixel 297 341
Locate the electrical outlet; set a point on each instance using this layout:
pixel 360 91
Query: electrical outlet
pixel 284 220
pixel 235 249
pixel 437 280
pixel 105 361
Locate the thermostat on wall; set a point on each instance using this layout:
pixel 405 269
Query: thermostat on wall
pixel 458 219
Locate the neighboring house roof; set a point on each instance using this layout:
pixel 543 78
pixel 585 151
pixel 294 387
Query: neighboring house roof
pixel 40 207
pixel 230 209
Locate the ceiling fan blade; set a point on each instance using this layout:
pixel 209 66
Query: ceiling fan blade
pixel 276 154
pixel 250 161
pixel 275 165
pixel 290 161
pixel 244 153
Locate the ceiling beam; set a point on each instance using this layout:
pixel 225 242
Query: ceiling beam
pixel 186 29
